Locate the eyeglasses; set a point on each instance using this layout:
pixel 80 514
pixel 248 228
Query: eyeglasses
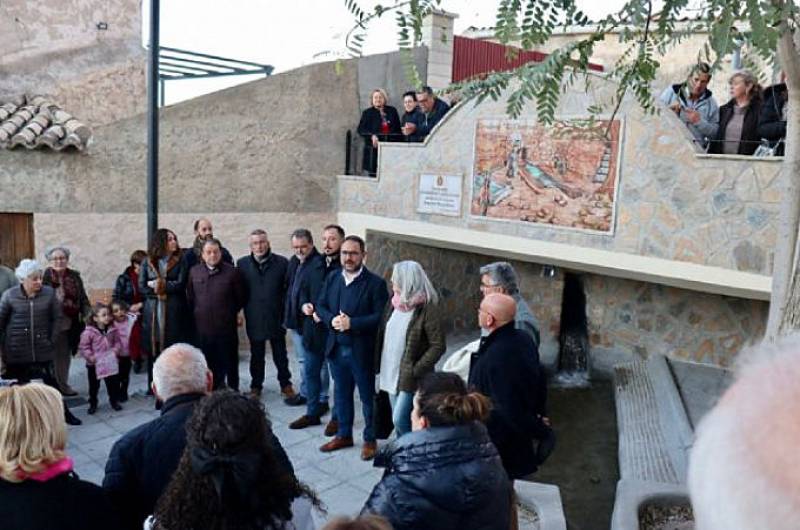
pixel 58 258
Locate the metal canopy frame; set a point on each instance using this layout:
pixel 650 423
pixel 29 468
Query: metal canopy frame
pixel 175 64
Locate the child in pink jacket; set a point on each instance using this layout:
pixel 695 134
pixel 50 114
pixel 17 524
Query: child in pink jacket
pixel 100 346
pixel 123 322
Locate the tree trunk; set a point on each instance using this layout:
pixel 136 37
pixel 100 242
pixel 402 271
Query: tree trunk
pixel 784 311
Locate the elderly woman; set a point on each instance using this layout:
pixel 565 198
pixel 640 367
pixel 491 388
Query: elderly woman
pixel 446 474
pixel 162 282
pixel 378 123
pixel 738 118
pixel 38 490
pixel 500 277
pixel 29 316
pixel 410 340
pixel 75 307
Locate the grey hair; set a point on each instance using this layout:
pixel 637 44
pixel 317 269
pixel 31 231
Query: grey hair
pixel 180 369
pixel 502 274
pixel 258 232
pixel 48 253
pixel 410 278
pixel 303 233
pixel 27 268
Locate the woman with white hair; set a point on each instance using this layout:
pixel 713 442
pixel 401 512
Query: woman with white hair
pixel 28 316
pixel 410 340
pixel 38 489
pixel 75 311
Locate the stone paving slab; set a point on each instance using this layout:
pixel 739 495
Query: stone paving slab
pixel 341 479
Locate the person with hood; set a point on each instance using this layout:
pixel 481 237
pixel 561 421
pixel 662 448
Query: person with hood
pixel 446 474
pixel 772 121
pixel 694 104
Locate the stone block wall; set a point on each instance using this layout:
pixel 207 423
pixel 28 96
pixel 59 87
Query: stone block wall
pixel 627 319
pixel 456 276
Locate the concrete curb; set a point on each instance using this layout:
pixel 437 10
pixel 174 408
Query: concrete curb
pixel 632 495
pixel 545 500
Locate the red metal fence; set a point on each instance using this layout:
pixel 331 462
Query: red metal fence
pixel 473 57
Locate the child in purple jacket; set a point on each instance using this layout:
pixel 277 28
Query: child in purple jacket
pixel 100 345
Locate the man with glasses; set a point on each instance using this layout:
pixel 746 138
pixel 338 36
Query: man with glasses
pixel 500 277
pixel 504 370
pixel 350 305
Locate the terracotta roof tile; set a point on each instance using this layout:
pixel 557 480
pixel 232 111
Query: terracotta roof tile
pixel 38 122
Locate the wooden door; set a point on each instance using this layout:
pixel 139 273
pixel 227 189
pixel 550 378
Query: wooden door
pixel 16 238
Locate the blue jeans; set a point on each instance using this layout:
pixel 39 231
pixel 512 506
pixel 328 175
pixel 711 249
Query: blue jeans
pixel 317 381
pixel 302 357
pixel 349 372
pixel 402 404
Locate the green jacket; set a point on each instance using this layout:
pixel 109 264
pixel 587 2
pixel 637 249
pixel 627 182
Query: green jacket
pixel 425 344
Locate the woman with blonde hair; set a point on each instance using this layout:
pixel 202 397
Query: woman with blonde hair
pixel 379 123
pixel 410 340
pixel 738 118
pixel 446 474
pixel 38 488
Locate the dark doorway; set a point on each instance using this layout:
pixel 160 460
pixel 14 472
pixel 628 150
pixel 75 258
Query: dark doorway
pixel 573 337
pixel 16 238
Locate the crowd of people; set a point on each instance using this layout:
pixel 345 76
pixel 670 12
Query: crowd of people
pixel 211 453
pixel 380 122
pixel 752 122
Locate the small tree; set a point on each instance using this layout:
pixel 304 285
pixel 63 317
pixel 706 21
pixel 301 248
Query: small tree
pixel 648 31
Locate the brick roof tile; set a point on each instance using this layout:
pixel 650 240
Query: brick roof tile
pixel 36 122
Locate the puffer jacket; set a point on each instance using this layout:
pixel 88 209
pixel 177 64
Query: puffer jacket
pixel 442 478
pixel 95 343
pixel 27 325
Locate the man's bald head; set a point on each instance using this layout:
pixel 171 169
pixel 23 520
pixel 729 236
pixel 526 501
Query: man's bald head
pixel 497 310
pixel 743 471
pixel 181 369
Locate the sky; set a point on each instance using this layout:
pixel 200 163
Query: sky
pixel 288 34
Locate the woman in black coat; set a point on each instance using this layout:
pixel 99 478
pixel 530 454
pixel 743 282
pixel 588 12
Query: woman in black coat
pixel 772 122
pixel 379 123
pixel 162 282
pixel 38 489
pixel 446 474
pixel 738 118
pixel 411 115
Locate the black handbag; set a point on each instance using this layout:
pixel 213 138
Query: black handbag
pixel 382 416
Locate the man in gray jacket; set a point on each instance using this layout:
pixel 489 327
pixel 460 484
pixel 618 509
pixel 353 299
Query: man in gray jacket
pixel 7 278
pixel 694 104
pixel 28 313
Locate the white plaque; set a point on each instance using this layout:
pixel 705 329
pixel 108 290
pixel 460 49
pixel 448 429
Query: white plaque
pixel 440 194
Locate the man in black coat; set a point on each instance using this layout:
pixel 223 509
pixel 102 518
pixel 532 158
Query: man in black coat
pixel 316 373
pixel 142 462
pixel 215 292
pixel 203 231
pixel 350 306
pixel 504 370
pixel 264 274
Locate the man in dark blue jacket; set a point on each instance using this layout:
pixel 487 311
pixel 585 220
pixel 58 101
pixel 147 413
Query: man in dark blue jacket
pixel 433 110
pixel 264 274
pixel 350 306
pixel 315 365
pixel 504 370
pixel 143 461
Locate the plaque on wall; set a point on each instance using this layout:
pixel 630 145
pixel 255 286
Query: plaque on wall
pixel 563 175
pixel 440 194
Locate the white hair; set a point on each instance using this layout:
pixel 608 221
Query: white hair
pixel 744 472
pixel 410 278
pixel 49 251
pixel 27 268
pixel 180 369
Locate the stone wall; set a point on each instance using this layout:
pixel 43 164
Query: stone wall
pixel 672 203
pixel 386 70
pixel 57 49
pixel 627 319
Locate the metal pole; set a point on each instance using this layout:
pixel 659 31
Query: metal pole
pixel 152 123
pixel 162 93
